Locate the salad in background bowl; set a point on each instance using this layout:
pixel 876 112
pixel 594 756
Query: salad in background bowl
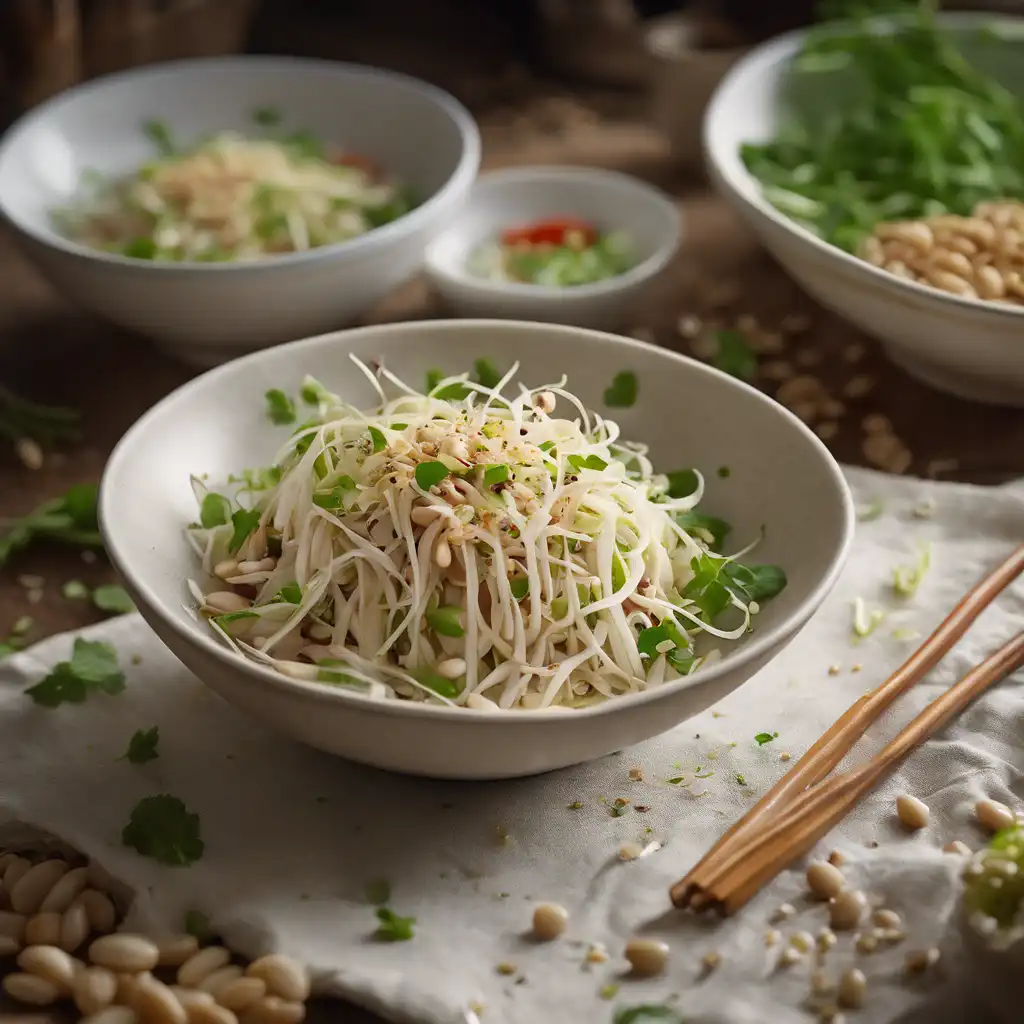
pixel 567 245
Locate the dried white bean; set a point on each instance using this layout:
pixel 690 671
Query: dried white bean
pixel 549 921
pixel 176 949
pixel 28 988
pixel 205 962
pixel 112 1015
pixel 34 886
pixel 451 668
pixel 853 988
pixel 64 893
pixel 12 925
pixel 647 957
pixel 93 989
pixel 885 918
pixel 9 945
pixel 847 909
pixel 99 908
pixel 273 1010
pixel 190 997
pixel 825 880
pixel 156 1003
pixel 217 979
pixel 50 963
pixel 284 976
pixel 43 930
pixel 240 994
pixel 992 816
pixel 229 567
pixel 74 928
pixel 211 1013
pixel 224 601
pixel 17 868
pixel 124 952
pixel 913 813
pixel 126 985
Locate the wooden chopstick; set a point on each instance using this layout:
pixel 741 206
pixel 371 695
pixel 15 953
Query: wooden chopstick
pixel 833 746
pixel 763 853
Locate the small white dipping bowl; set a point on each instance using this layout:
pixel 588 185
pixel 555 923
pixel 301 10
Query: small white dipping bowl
pixel 500 200
pixel 780 477
pixel 208 312
pixel 968 347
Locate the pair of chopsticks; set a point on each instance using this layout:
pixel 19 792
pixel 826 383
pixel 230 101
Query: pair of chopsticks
pixel 804 804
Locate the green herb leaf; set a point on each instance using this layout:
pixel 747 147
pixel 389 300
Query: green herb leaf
pixel 618 572
pixel 439 684
pixel 445 620
pixel 290 593
pixel 487 373
pixel 648 640
pixel 92 666
pixel 519 587
pixel 161 827
pixel 429 474
pixel 197 924
pixel 312 391
pixel 581 462
pixel 244 521
pixel 266 117
pixel 328 673
pixel 434 377
pixel 765 737
pixel 648 1013
pixel 158 133
pixel 378 440
pixel 70 519
pixel 734 355
pixel 452 393
pixel 682 483
pixel 378 892
pixel 140 249
pixel 214 511
pixel 142 746
pixel 393 928
pixel 280 408
pixel 113 599
pixel 622 392
pixel 754 582
pixel 496 474
pixel 717 529
pixel 706 589
pixel 75 590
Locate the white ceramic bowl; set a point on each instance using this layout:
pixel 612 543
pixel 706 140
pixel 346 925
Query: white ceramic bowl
pixel 607 199
pixel 970 348
pixel 781 477
pixel 208 312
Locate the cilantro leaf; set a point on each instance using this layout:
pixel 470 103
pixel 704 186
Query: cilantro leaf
pixel 706 590
pixel 393 928
pixel 734 356
pixel 244 520
pixel 61 686
pixel 214 511
pixel 648 1013
pixel 92 666
pixel 452 392
pixel 487 373
pixel 159 134
pixel 280 408
pixel 429 474
pixel 648 640
pixel 682 483
pixel 142 746
pixel 113 599
pixel 765 737
pixel 162 827
pixel 622 392
pixel 754 582
pixel 434 377
pixel 70 519
pixel 719 529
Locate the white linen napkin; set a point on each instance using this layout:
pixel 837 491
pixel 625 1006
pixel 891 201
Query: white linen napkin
pixel 293 836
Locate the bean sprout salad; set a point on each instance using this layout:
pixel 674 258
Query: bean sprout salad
pixel 467 547
pixel 234 198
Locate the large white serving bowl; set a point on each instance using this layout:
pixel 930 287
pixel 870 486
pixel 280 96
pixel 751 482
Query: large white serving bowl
pixel 970 348
pixel 208 312
pixel 643 214
pixel 780 478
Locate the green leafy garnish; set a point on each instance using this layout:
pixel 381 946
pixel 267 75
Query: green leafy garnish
pixel 581 462
pixel 378 892
pixel 865 620
pixel 158 133
pixel 648 640
pixel 765 737
pixel 74 590
pixel 280 408
pixel 622 392
pixel 445 620
pixel 142 746
pixel 648 1013
pixel 113 599
pixel 215 510
pixel 70 519
pixel 682 483
pixel 716 529
pixel 45 424
pixel 754 582
pixel 377 439
pixel 93 666
pixel 452 392
pixel 496 474
pixel 429 474
pixel 140 249
pixel 734 356
pixel 312 391
pixel 332 671
pixel 393 928
pixel 267 117
pixel 519 587
pixel 290 593
pixel 434 377
pixel 244 521
pixel 907 578
pixel 487 373
pixel 437 683
pixel 197 924
pixel 161 827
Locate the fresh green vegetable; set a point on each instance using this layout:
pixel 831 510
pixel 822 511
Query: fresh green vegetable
pixel 197 924
pixel 244 521
pixel 280 408
pixel 907 578
pixel 161 827
pixel 393 928
pixel 765 737
pixel 623 390
pixel 487 373
pixel 445 620
pixel 649 1013
pixel 865 620
pixel 46 424
pixel 92 667
pixel 496 474
pixel 160 135
pixel 914 130
pixel 113 599
pixel 377 439
pixel 996 891
pixel 142 747
pixel 519 587
pixel 429 474
pixel 267 117
pixel 70 519
pixel 682 483
pixel 734 356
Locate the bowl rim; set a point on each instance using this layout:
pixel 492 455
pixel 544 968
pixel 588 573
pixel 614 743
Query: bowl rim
pixel 458 180
pixel 746 189
pixel 584 177
pixel 194 635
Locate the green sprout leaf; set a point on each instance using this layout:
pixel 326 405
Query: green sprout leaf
pixel 92 667
pixel 622 392
pixel 429 474
pixel 392 928
pixel 161 827
pixel 280 408
pixel 113 599
pixel 142 747
pixel 445 621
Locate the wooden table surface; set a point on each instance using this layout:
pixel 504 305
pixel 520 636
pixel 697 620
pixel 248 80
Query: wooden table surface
pixel 53 353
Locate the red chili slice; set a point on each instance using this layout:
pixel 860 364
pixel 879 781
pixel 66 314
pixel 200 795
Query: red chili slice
pixel 551 232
